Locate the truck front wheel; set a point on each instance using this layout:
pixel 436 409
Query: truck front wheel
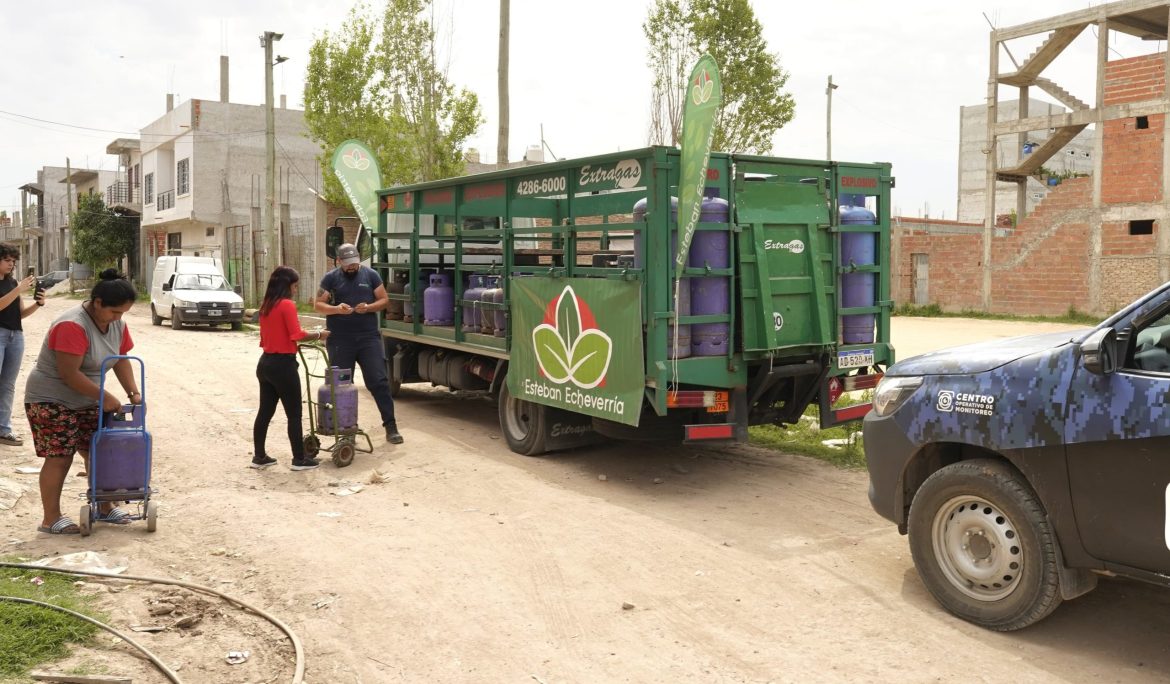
pixel 523 423
pixel 983 547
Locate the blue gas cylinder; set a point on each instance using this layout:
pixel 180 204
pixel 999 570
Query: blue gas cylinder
pixel 710 294
pixel 857 289
pixel 338 397
pixel 679 344
pixel 471 298
pixel 439 301
pixel 121 453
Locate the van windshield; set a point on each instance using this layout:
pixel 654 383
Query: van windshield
pixel 208 281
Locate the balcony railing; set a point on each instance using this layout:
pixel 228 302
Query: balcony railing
pixel 166 200
pixel 121 192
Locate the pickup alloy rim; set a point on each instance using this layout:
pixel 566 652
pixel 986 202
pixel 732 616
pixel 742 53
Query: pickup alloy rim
pixel 977 548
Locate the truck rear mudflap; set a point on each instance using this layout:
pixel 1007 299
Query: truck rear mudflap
pixel 833 388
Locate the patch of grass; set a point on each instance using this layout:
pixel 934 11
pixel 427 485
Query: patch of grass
pixel 806 437
pixel 1072 316
pixel 31 635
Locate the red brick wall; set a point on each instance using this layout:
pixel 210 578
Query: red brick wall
pixel 1043 265
pixel 1132 164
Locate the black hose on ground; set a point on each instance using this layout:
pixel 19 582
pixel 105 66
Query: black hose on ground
pixel 299 671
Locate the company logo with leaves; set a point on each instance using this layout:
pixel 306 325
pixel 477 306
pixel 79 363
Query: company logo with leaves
pixel 355 158
pixel 702 89
pixel 569 347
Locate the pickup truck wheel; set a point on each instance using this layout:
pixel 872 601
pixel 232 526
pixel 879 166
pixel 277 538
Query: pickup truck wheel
pixel 983 547
pixel 155 319
pixel 176 323
pixel 522 422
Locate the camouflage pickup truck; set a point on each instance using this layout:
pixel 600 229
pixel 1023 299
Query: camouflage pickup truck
pixel 1022 469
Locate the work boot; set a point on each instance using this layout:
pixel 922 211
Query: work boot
pixel 392 435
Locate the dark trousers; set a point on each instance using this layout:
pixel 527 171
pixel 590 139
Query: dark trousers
pixel 280 381
pixel 369 352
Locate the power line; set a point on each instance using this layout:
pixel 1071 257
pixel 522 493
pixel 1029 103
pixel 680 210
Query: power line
pixel 8 116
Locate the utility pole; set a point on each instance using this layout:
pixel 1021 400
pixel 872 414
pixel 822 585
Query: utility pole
pixel 268 211
pixel 829 119
pixel 502 84
pixel 68 221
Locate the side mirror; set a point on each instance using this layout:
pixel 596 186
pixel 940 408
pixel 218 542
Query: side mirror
pixel 238 289
pixel 1097 352
pixel 363 243
pixel 334 238
pixel 166 287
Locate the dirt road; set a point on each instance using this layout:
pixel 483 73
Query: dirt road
pixel 472 564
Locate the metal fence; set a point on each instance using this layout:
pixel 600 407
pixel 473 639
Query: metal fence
pixel 243 250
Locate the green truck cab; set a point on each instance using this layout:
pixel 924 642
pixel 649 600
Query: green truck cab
pixel 564 301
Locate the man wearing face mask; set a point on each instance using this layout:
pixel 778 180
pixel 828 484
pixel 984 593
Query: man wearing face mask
pixel 350 297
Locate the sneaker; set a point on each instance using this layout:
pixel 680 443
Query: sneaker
pixel 307 464
pixel 262 462
pixel 11 440
pixel 392 435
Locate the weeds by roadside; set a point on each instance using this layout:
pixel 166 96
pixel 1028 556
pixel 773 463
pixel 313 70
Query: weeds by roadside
pixel 31 635
pixel 806 437
pixel 1072 316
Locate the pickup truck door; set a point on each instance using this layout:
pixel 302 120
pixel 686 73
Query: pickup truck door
pixel 1118 449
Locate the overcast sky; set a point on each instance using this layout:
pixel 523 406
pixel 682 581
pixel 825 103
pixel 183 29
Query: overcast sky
pixel 578 68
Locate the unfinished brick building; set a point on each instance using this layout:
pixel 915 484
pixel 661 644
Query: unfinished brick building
pixel 1096 242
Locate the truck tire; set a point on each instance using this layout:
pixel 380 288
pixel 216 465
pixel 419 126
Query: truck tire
pixel 983 546
pixel 155 319
pixel 524 424
pixel 176 323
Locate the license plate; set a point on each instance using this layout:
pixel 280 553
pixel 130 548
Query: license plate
pixel 214 312
pixel 855 358
pixel 718 407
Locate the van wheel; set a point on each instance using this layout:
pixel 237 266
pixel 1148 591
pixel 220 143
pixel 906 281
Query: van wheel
pixel 175 322
pixel 523 423
pixel 983 546
pixel 155 319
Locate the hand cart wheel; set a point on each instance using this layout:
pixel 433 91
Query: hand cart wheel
pixel 151 516
pixel 312 445
pixel 85 521
pixel 343 453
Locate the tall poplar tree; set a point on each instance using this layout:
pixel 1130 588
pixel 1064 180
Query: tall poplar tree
pixel 754 105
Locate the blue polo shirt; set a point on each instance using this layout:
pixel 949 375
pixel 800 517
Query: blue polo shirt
pixel 352 291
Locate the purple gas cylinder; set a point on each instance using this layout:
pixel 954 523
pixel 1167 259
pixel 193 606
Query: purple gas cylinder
pixel 337 397
pixel 682 349
pixel 397 285
pixel 408 306
pixel 471 298
pixel 499 316
pixel 439 301
pixel 710 294
pixel 857 289
pixel 121 452
pixel 487 317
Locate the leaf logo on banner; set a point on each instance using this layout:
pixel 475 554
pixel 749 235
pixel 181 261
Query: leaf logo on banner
pixel 703 88
pixel 356 159
pixel 569 347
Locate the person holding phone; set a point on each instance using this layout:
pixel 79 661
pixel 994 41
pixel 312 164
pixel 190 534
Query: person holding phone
pixel 13 309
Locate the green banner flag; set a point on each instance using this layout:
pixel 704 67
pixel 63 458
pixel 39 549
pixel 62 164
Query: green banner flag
pixel 577 345
pixel 703 97
pixel 357 169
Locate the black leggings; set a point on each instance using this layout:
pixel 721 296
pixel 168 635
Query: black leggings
pixel 279 381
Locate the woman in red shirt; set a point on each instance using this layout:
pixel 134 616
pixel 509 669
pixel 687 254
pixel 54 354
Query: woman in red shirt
pixel 280 331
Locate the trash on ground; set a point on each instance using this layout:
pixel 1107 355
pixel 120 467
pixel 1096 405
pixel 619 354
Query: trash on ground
pixel 351 488
pixel 187 621
pixel 27 470
pixel 321 603
pixel 147 628
pixel 37 581
pixel 83 560
pixel 377 477
pixel 627 606
pixel 237 657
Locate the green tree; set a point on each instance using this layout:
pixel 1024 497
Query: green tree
pixel 100 237
pixel 754 105
pixel 376 79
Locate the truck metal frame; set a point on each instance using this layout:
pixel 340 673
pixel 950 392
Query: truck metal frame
pixel 571 221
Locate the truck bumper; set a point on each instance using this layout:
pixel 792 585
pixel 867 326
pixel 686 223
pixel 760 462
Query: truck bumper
pixel 887 450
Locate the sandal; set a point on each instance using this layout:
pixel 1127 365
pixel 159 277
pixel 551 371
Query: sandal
pixel 63 526
pixel 115 516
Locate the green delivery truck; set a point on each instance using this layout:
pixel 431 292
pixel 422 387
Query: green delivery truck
pixel 553 286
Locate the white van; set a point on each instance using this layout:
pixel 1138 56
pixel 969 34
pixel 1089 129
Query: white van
pixel 191 289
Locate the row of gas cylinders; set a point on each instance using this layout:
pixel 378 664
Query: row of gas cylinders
pixel 439 302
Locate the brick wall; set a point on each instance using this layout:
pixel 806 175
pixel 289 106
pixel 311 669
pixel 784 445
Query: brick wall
pixel 1044 265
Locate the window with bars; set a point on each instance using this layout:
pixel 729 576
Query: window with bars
pixel 148 192
pixel 183 173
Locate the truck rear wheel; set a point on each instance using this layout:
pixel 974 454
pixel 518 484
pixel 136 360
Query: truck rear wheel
pixel 155 319
pixel 524 424
pixel 983 546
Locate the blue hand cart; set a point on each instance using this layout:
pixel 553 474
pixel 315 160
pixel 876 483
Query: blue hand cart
pixel 120 458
